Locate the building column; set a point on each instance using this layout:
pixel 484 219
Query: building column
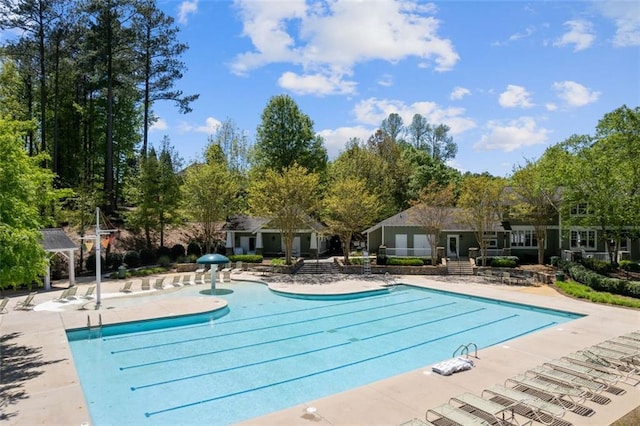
pixel 72 268
pixel 259 249
pixel 47 276
pixel 230 243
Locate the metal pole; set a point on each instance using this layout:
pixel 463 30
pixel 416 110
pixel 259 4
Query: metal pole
pixel 98 259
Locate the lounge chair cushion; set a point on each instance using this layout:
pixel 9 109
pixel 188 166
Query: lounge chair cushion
pixel 453 365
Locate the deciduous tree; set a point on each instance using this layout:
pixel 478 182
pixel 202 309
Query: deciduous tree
pixel 431 210
pixel 288 198
pixel 482 200
pixel 348 208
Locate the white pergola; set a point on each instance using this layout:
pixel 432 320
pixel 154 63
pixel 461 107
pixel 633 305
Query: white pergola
pixel 55 240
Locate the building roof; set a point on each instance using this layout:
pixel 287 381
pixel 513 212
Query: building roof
pixel 55 239
pixel 254 224
pixel 453 222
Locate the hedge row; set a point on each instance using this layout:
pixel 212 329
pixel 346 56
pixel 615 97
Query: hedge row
pixel 246 258
pixel 630 265
pixel 405 261
pixel 598 282
pixel 499 261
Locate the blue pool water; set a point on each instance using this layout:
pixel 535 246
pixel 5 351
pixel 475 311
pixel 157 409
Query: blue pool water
pixel 267 352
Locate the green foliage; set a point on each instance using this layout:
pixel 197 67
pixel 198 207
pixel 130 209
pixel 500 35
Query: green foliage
pixel 247 258
pixel 503 262
pixel 288 198
pixel 177 251
pixel 286 137
pixel 582 291
pixel 90 263
pixel 24 188
pixel 142 272
pixel 498 261
pixel 629 265
pixel 405 261
pixel 599 282
pixel 131 259
pixel 148 257
pixel 278 261
pixel 163 251
pixel 194 249
pixel 381 260
pixel 599 266
pixel 164 261
pixel 113 261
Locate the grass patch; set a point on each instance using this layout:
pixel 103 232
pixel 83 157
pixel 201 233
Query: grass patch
pixel 582 291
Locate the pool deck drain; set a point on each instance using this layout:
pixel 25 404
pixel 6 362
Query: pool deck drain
pixel 50 393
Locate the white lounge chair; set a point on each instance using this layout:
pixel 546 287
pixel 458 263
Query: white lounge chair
pixel 3 305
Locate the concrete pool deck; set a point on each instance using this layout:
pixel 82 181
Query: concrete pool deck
pixel 40 385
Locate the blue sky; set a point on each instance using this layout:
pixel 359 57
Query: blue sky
pixel 509 78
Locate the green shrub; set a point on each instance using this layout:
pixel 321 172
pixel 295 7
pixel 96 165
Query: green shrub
pixel 381 260
pixel 491 259
pixel 630 266
pixel 405 261
pixel 163 251
pixel 164 261
pixel 131 259
pixel 599 266
pixel 178 251
pixel 277 262
pixel 91 263
pixel 247 258
pixel 503 262
pixel 554 260
pixel 147 257
pixel 194 249
pixel 599 282
pixel 113 261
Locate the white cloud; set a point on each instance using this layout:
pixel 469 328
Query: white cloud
pixel 459 93
pixel 186 8
pixel 512 135
pixel 626 15
pixel 372 111
pixel 528 32
pixel 580 35
pixel 385 80
pixel 515 96
pixel 330 38
pixel 335 140
pixel 210 126
pixel 550 106
pixel 315 84
pixel 158 125
pixel 575 94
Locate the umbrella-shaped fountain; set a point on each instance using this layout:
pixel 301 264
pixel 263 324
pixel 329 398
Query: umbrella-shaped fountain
pixel 213 259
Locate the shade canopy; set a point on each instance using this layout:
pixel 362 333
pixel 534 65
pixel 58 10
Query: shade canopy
pixel 213 259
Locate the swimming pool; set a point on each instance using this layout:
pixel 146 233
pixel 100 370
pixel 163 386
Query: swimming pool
pixel 268 352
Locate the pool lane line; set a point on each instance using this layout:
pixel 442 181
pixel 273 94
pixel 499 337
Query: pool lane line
pixel 266 342
pixel 295 311
pixel 292 355
pixel 178 342
pixel 316 373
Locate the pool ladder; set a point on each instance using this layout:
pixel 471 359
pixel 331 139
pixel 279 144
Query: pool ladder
pixel 95 327
pixel 464 350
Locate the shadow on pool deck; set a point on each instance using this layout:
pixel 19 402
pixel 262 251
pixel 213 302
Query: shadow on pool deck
pixel 43 387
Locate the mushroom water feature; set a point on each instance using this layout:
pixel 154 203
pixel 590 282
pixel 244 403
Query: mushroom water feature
pixel 213 259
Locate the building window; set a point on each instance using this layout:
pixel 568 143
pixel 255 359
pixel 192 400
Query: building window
pixel 581 209
pixel 491 238
pixel 524 238
pixel 583 240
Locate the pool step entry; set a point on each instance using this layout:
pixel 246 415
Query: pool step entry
pixel 97 328
pixel 463 350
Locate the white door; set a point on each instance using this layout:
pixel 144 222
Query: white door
pixel 452 245
pixel 295 247
pixel 401 244
pixel 245 244
pixel 420 245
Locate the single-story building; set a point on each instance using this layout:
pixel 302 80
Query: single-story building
pixel 254 235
